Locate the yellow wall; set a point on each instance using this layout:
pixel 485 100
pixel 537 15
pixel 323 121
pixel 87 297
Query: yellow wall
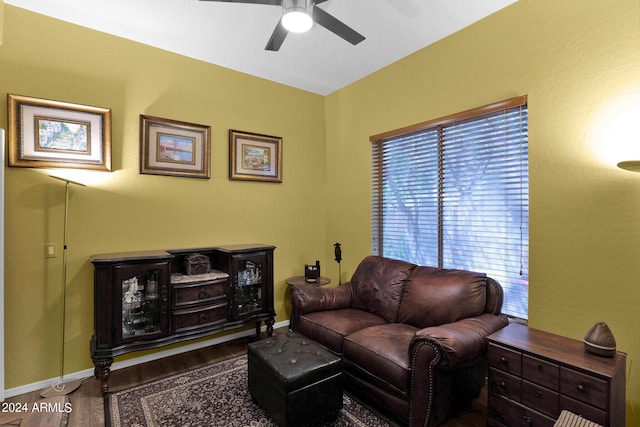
pixel 1 20
pixel 123 210
pixel 577 61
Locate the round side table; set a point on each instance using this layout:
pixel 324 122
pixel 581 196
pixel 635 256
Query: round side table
pixel 300 280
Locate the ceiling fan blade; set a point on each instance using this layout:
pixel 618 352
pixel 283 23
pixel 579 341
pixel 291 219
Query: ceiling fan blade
pixel 271 2
pixel 277 37
pixel 335 26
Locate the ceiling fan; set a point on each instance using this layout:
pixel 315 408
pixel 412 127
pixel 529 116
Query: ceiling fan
pixel 309 12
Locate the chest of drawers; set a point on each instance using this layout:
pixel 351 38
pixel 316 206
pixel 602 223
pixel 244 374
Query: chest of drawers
pixel 534 375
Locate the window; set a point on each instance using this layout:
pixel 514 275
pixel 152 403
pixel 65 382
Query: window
pixel 454 193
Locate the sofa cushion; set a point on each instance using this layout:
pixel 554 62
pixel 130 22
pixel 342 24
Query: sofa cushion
pixel 377 285
pixel 434 296
pixel 330 327
pixel 382 352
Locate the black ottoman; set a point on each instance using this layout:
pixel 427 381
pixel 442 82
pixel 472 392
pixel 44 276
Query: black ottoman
pixel 296 381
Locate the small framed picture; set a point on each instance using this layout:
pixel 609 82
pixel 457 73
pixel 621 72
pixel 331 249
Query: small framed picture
pixel 174 148
pixel 54 134
pixel 255 157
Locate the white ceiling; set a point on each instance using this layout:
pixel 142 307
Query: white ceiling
pixel 233 35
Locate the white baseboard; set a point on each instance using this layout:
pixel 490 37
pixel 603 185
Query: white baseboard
pixel 28 388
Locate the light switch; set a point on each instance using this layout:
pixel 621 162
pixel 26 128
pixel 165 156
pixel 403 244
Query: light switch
pixel 49 250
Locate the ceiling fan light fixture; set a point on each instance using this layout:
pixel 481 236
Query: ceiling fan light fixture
pixel 297 15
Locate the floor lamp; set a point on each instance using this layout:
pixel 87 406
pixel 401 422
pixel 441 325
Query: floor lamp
pixel 59 387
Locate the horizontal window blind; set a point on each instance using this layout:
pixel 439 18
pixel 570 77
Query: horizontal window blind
pixel 455 194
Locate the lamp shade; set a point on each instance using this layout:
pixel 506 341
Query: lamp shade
pixel 630 165
pixel 297 15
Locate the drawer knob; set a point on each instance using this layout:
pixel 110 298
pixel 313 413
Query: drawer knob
pixel 539 394
pixel 581 388
pixel 503 359
pixel 202 318
pixel 203 293
pixel 527 420
pixel 539 366
pixel 503 384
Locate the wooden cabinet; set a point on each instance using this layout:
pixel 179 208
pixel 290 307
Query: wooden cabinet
pixel 131 298
pixel 250 271
pixel 149 299
pixel 534 375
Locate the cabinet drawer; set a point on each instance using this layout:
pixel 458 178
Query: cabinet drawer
pixel 187 319
pixel 512 413
pixel 541 372
pixel 196 293
pixel 494 423
pixel 584 388
pixel 540 398
pixel 502 409
pixel 584 410
pixel 504 384
pixel 505 359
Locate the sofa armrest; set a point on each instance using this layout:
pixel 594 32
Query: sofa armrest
pixel 309 298
pixel 462 341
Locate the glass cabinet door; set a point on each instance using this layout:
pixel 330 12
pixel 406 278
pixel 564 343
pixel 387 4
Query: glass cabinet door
pixel 248 294
pixel 144 302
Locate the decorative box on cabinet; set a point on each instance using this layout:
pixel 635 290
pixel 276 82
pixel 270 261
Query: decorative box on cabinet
pixel 145 300
pixel 534 375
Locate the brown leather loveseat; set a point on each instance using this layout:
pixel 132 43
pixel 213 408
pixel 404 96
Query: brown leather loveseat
pixel 411 338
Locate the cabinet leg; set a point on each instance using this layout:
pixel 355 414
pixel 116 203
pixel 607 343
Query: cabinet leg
pixel 102 371
pixel 270 323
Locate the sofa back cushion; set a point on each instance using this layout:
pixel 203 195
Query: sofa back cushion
pixel 377 285
pixel 435 296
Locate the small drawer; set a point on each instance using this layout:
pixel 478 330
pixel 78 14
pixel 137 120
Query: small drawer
pixel 541 372
pixel 187 319
pixel 185 294
pixel 494 423
pixel 510 413
pixel 503 410
pixel 505 359
pixel 531 418
pixel 583 410
pixel 584 388
pixel 540 398
pixel 504 384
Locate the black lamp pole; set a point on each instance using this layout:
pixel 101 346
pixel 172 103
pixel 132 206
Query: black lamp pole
pixel 338 253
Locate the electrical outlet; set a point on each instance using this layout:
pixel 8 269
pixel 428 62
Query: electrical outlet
pixel 50 250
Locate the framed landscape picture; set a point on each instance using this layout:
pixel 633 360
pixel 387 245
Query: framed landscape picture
pixel 255 157
pixel 174 148
pixel 54 134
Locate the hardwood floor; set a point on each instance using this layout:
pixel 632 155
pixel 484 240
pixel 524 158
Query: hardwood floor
pixel 88 403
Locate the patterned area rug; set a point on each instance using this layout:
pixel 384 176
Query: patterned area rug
pixel 213 395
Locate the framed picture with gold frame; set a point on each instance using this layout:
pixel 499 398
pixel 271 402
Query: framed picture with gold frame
pixel 174 148
pixel 55 134
pixel 255 157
